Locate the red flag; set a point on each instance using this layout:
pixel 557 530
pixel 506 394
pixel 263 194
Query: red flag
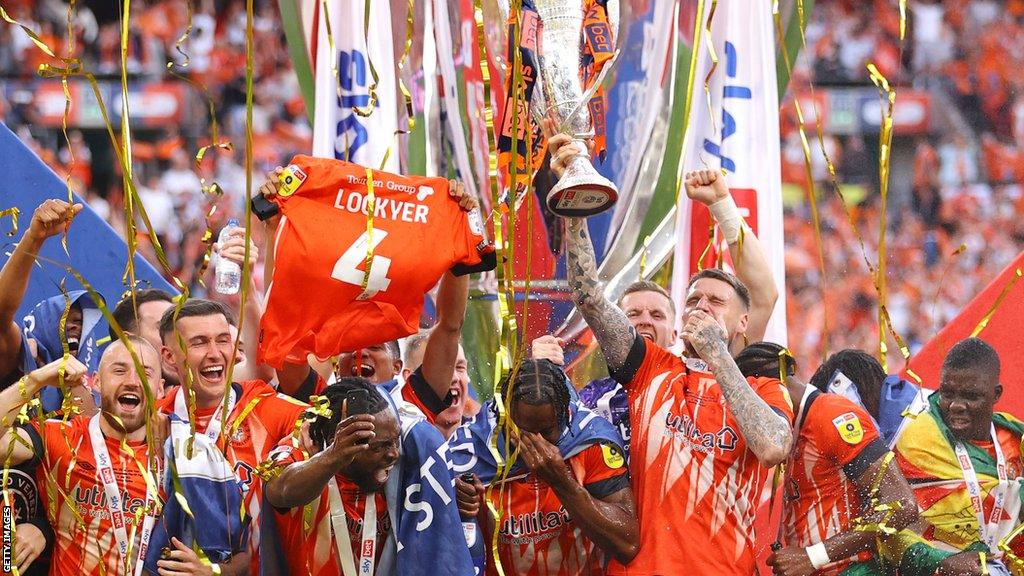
pixel 1003 332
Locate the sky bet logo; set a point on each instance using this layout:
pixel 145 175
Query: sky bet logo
pixel 729 91
pixel 355 93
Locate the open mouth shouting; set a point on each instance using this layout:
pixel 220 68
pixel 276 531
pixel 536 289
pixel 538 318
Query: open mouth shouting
pixel 380 476
pixel 129 401
pixel 212 374
pixel 366 371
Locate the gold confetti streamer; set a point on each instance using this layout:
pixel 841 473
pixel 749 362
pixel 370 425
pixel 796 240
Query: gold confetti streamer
pixel 14 213
pixel 884 158
pixel 995 305
pixel 808 172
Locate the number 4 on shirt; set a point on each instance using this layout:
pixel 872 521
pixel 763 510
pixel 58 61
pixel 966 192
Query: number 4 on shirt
pixel 346 269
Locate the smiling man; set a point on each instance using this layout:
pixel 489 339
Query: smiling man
pixel 85 457
pixel 377 481
pixel 198 343
pixel 956 448
pixel 352 454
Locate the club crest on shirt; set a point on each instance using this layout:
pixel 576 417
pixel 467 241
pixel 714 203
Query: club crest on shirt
pixel 239 435
pixel 849 427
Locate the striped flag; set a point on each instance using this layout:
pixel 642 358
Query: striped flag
pixel 739 134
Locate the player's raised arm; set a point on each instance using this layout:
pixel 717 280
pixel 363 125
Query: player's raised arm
pixel 610 325
pixel 14 397
pixel 442 348
pixel 51 218
pixel 749 261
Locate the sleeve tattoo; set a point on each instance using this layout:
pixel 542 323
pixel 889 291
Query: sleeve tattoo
pixel 766 432
pixel 611 327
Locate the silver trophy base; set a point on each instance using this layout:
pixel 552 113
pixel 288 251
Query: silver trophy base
pixel 581 192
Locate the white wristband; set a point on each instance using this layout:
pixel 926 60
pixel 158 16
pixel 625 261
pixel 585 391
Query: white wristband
pixel 728 218
pixel 818 555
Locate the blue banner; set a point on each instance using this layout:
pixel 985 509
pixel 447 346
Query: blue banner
pixel 96 251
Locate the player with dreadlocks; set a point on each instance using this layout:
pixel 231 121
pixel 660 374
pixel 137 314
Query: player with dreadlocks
pixel 860 377
pixel 567 500
pixel 839 470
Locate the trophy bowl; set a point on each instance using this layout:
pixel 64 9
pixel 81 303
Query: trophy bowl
pixel 581 191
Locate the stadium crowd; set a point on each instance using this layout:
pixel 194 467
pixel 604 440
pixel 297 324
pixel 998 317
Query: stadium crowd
pixel 309 440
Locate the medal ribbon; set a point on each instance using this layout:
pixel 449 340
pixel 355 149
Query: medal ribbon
pixel 342 540
pixel 987 530
pixel 105 474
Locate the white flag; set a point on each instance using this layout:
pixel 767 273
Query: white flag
pixel 742 139
pixel 339 130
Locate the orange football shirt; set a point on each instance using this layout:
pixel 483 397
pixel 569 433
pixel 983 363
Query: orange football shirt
pixel 697 487
pixel 538 536
pixel 317 302
pixel 77 504
pixel 314 551
pixel 836 442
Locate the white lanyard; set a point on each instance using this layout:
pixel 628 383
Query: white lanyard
pixel 213 428
pixel 987 530
pixel 105 474
pixel 343 542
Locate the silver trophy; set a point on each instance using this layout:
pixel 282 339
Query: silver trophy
pixel 581 191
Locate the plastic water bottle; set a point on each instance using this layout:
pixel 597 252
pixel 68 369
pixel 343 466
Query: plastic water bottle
pixel 229 275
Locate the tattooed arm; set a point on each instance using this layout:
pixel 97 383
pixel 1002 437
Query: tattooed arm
pixel 767 433
pixel 610 325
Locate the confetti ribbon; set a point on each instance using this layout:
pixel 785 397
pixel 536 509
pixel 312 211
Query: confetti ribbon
pixel 808 171
pixel 884 158
pixel 710 44
pixel 995 305
pixel 14 213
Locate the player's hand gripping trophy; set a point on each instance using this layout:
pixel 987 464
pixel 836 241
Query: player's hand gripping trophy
pixel 581 191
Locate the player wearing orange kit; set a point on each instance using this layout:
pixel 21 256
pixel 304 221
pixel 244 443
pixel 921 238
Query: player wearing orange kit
pixel 368 442
pixel 566 503
pixel 704 437
pixel 840 471
pixel 258 418
pixel 106 499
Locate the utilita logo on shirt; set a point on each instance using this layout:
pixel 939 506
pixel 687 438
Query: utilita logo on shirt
pixel 525 525
pixel 95 498
pixel 683 428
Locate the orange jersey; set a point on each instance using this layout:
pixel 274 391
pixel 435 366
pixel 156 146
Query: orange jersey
pixel 321 300
pixel 697 487
pixel 315 552
pixel 417 391
pixel 266 418
pixel 77 504
pixel 538 537
pixel 836 442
